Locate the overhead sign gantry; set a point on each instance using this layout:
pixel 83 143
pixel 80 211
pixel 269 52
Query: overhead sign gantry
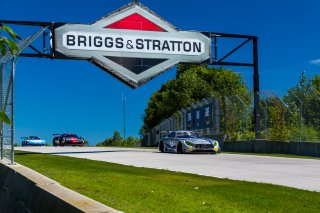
pixel 134 44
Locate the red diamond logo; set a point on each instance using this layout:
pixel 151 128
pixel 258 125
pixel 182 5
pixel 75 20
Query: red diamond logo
pixel 135 21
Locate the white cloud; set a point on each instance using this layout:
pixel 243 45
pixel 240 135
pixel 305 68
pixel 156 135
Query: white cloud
pixel 315 61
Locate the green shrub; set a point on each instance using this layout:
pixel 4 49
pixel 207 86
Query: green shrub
pixel 117 140
pixel 308 133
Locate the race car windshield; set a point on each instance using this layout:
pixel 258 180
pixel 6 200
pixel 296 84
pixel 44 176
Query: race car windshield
pixel 186 135
pixel 70 135
pixel 34 138
pixel 198 136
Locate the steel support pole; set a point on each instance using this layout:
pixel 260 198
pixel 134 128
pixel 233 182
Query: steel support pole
pixel 1 107
pixel 215 48
pixel 12 110
pixel 256 87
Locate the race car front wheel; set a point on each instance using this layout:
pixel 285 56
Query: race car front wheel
pixel 179 148
pixel 62 142
pixel 161 147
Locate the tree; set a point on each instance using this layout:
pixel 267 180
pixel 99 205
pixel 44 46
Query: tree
pixel 315 82
pixel 5 45
pixel 314 102
pixel 303 113
pixel 86 143
pixel 278 129
pixel 4 118
pixel 193 83
pixel 117 140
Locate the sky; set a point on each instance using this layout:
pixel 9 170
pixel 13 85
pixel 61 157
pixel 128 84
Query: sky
pixel 57 96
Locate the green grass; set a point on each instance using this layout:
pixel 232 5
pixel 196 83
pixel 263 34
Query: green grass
pixel 249 153
pixel 132 189
pixel 274 155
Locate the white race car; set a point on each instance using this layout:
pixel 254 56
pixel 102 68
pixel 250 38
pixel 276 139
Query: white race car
pixel 183 141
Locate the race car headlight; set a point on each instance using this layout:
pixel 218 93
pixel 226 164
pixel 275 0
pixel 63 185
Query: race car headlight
pixel 188 143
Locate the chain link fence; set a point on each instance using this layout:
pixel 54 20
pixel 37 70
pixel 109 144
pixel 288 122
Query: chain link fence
pixel 7 71
pixel 294 117
pixel 236 117
pixel 6 103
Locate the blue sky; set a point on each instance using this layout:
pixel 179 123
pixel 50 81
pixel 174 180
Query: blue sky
pixel 55 96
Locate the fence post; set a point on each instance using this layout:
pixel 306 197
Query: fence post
pixel 12 109
pixel 1 106
pixel 256 89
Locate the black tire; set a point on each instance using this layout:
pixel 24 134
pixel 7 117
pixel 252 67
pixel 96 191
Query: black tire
pixel 179 148
pixel 54 143
pixel 161 147
pixel 62 142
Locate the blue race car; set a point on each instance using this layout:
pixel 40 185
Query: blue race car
pixel 32 141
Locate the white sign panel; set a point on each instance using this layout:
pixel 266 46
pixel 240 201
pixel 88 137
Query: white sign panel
pixel 132 44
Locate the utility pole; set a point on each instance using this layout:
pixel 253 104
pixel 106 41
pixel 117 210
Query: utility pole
pixel 124 115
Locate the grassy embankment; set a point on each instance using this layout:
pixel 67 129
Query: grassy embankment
pixel 133 189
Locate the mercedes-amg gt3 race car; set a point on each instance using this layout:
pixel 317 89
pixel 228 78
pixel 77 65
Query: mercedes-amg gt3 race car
pixel 187 142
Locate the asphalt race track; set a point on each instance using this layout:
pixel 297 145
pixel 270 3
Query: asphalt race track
pixel 292 172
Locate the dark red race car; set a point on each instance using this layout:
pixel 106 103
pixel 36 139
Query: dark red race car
pixel 67 139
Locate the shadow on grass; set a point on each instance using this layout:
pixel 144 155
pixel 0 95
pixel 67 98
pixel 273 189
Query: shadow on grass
pixel 26 153
pixel 105 151
pixel 119 151
pixel 79 152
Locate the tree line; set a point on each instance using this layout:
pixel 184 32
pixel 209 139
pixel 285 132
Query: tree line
pixel 193 83
pixel 117 140
pixel 295 116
